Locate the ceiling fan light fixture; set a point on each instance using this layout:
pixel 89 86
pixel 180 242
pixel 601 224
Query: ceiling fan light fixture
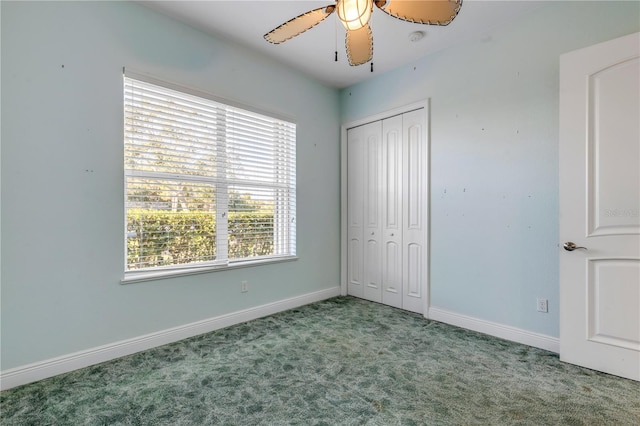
pixel 354 14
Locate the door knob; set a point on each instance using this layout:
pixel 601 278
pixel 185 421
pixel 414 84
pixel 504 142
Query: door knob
pixel 571 246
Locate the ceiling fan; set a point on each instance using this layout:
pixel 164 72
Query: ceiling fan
pixel 355 15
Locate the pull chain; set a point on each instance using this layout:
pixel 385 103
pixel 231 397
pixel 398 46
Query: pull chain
pixel 335 36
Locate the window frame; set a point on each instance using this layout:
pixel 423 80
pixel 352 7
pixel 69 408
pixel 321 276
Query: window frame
pixel 222 197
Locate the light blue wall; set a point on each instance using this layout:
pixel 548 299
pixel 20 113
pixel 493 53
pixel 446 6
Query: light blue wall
pixel 62 176
pixel 494 156
pixel 494 152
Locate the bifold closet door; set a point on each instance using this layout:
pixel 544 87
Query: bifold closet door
pixel 392 211
pixel 415 219
pixel 364 211
pixel 386 211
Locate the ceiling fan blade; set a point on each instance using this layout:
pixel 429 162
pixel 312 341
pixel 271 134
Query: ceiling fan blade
pixel 299 24
pixel 359 44
pixel 432 12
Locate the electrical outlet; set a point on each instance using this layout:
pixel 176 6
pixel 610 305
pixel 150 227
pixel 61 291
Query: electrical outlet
pixel 244 286
pixel 543 305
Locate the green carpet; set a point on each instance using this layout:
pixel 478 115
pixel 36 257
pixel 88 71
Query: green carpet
pixel 339 362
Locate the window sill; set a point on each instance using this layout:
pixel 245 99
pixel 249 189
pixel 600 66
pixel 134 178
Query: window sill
pixel 140 276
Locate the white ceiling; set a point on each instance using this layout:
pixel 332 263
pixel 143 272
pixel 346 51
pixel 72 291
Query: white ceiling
pixel 246 21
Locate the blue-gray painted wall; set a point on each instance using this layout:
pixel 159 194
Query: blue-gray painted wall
pixel 62 176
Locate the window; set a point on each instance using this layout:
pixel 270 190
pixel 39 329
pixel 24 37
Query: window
pixel 206 184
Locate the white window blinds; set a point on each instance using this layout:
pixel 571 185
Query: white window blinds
pixel 205 183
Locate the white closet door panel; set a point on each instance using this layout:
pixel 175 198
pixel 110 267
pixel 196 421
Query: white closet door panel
pixel 392 198
pixel 373 174
pixel 392 275
pixel 392 269
pixel 414 173
pixel 372 210
pixel 414 222
pixel 413 281
pixel 355 213
pixel 392 212
pixel 354 268
pixel 355 179
pixel 372 271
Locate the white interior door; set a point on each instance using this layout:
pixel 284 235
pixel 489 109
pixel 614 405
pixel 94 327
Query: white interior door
pixel 600 207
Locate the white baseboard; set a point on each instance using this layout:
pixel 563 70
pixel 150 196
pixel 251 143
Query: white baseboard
pixel 66 363
pixel 506 332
